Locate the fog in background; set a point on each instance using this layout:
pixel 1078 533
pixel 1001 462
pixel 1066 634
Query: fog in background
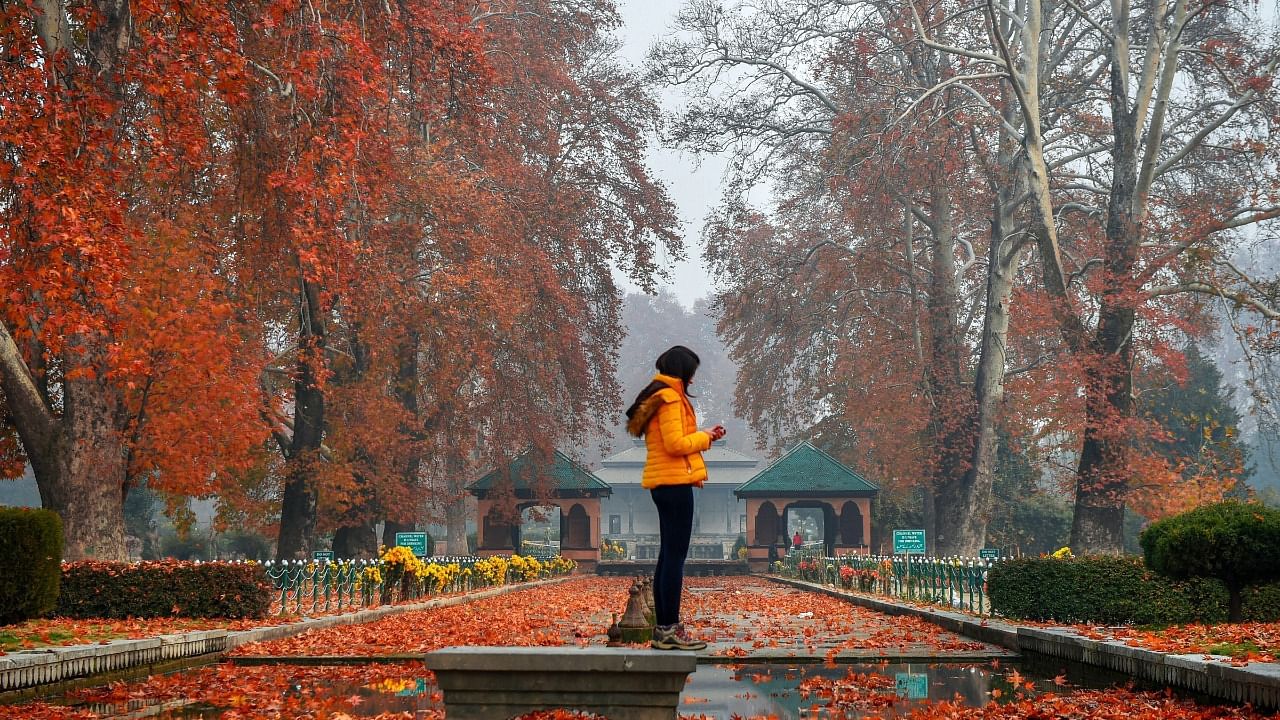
pixel 694 187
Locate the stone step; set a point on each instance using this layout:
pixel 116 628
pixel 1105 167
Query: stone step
pixel 494 683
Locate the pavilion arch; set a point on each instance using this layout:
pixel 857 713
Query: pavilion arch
pixel 575 528
pixel 828 520
pixel 766 525
pixel 497 533
pixel 851 525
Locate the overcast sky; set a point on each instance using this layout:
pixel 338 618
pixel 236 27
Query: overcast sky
pixel 695 191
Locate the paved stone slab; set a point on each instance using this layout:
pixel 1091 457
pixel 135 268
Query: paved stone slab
pixel 754 620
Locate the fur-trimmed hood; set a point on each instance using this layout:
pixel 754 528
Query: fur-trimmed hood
pixel 673 392
pixel 637 423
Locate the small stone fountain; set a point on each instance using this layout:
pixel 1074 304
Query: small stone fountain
pixel 634 626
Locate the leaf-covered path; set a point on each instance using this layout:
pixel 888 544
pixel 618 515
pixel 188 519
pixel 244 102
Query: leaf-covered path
pixel 741 618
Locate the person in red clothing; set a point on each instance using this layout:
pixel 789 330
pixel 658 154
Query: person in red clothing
pixel 797 541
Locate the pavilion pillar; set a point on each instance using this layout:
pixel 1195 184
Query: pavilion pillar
pixel 864 505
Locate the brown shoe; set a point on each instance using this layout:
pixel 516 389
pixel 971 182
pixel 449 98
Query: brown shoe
pixel 674 637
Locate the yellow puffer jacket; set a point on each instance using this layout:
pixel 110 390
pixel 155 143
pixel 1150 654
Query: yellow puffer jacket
pixel 672 437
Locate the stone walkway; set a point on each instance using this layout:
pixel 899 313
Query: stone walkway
pixel 743 619
pixel 752 620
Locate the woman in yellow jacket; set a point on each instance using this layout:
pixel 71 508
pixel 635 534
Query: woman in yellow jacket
pixel 673 467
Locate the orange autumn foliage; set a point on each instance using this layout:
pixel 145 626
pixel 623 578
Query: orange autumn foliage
pixel 123 356
pixel 345 228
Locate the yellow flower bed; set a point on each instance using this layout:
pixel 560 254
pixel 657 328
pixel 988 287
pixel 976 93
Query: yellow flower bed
pixel 400 562
pixel 525 568
pixel 493 570
pixel 611 550
pixel 559 565
pixel 371 575
pixel 438 577
pixel 404 559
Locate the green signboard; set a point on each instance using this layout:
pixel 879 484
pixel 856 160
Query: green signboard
pixel 908 542
pixel 420 687
pixel 912 686
pixel 318 555
pixel 415 541
pixel 989 553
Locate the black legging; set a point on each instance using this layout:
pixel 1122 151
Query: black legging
pixel 675 522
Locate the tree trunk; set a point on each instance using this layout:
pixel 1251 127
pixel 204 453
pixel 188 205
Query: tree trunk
pixel 1101 478
pixel 1235 604
pixel 456 526
pixel 391 527
pixel 79 459
pixel 298 506
pixel 356 537
pixel 404 519
pixel 297 516
pixel 355 541
pixel 92 507
pixel 83 479
pixel 949 428
pixel 929 513
pixel 1004 256
pixel 972 504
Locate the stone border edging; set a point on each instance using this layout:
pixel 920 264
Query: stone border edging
pixel 1257 684
pixel 28 670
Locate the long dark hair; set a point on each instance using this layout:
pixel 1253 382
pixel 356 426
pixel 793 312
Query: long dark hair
pixel 679 362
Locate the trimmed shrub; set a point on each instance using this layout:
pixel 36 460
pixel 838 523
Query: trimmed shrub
pixel 1114 591
pixel 1232 542
pixel 165 588
pixel 30 562
pixel 1262 603
pixel 1110 590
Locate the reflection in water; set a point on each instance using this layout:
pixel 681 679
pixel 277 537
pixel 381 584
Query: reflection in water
pixel 716 691
pixel 855 690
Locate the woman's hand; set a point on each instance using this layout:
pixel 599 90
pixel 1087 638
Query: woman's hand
pixel 716 432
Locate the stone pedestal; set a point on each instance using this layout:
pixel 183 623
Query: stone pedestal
pixel 496 683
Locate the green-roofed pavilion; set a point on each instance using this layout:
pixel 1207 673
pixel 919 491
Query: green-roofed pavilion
pixel 528 473
pixel 533 478
pixel 806 477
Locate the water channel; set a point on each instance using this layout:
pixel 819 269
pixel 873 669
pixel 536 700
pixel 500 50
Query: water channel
pixel 788 692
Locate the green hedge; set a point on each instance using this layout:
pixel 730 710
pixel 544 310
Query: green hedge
pixel 1114 591
pixel 1233 542
pixel 30 560
pixel 165 588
